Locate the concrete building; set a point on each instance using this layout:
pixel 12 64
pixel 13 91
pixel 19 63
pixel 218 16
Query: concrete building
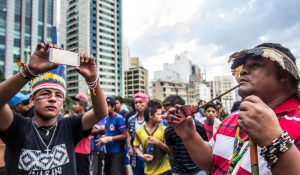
pixel 23 23
pixel 222 84
pixel 179 71
pixel 196 75
pixel 136 78
pixel 204 92
pixel 94 27
pixel 162 89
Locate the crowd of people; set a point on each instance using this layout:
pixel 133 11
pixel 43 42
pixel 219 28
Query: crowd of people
pixel 102 135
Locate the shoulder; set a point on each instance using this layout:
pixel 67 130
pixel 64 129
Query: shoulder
pixel 230 120
pixel 119 117
pixel 169 129
pixel 74 120
pixel 131 118
pixel 140 129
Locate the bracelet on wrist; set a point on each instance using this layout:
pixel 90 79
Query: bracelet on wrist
pixel 30 72
pixel 272 152
pixel 24 73
pixel 92 85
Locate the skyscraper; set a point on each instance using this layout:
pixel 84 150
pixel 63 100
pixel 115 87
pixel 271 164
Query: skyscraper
pixel 23 23
pixel 94 27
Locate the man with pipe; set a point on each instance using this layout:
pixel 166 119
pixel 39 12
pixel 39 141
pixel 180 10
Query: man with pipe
pixel 269 116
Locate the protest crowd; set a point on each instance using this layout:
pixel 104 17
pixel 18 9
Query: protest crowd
pixel 103 135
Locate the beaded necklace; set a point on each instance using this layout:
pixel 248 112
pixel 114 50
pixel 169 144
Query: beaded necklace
pixel 237 146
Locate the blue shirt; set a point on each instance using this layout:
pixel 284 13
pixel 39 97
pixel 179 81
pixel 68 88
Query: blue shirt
pixel 115 125
pixel 95 148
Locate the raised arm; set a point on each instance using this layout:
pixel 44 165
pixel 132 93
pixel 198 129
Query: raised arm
pixel 88 70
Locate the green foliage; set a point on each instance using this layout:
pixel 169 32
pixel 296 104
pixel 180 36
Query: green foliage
pixel 128 102
pixel 68 103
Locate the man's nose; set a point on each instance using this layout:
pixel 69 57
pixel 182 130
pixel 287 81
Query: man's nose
pixel 52 98
pixel 244 71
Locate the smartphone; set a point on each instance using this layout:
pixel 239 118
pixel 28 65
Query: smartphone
pixel 64 57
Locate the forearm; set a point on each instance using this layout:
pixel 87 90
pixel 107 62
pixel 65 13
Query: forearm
pixel 99 110
pixel 164 147
pixel 98 102
pixel 193 145
pixel 122 136
pixel 288 162
pixel 128 139
pixel 96 131
pixel 138 151
pixel 10 87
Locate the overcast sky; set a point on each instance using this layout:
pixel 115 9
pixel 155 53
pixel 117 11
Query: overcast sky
pixel 209 30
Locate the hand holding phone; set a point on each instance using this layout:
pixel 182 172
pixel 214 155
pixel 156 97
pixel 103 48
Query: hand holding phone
pixel 64 57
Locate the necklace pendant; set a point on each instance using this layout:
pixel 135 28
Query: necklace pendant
pixel 47 133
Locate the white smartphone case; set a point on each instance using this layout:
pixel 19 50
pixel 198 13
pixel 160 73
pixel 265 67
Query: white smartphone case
pixel 64 57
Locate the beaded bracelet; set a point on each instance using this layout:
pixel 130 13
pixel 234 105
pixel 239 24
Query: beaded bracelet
pixel 280 145
pixel 25 74
pixel 93 85
pixel 30 72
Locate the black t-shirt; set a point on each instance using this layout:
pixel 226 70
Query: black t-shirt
pixel 180 159
pixel 27 154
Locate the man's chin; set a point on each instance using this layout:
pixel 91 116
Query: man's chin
pixel 244 92
pixel 49 115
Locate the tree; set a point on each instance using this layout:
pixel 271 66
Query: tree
pixel 68 103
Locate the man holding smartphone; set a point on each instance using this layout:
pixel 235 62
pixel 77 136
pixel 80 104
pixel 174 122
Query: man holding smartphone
pixel 43 144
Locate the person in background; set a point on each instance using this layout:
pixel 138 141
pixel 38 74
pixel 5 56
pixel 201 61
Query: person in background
pixel 83 148
pixel 114 140
pixel 221 111
pixel 211 123
pixel 118 107
pixel 135 121
pixel 151 138
pixel 67 113
pixel 200 115
pixel 128 149
pixel 98 153
pixel 180 160
pixel 20 103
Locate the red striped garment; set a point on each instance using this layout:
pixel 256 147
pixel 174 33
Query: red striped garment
pixel 222 142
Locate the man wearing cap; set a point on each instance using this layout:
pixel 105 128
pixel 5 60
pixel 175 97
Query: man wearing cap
pixel 140 102
pixel 269 116
pixel 43 144
pixel 114 140
pixel 83 148
pixel 17 102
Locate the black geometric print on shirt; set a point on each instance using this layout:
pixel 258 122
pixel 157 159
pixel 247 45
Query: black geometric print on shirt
pixel 31 160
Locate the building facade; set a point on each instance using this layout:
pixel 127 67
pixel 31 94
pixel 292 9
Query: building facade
pixel 136 79
pixel 23 23
pixel 179 71
pixel 94 27
pixel 222 84
pixel 162 89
